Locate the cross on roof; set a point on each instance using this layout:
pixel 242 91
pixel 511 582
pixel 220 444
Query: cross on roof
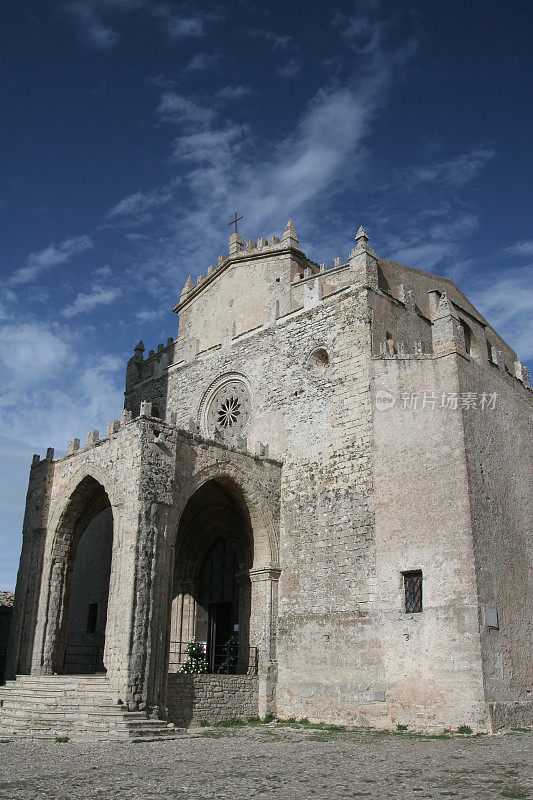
pixel 235 221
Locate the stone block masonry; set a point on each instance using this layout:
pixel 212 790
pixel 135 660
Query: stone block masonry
pixel 197 699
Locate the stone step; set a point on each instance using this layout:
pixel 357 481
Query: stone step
pixel 57 726
pixel 54 706
pixel 107 711
pixel 45 697
pixel 39 722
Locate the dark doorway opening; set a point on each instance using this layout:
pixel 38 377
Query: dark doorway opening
pixel 217 612
pixel 89 591
pixel 210 621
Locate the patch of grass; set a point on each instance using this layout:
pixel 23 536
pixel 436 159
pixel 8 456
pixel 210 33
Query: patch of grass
pixel 401 727
pixel 514 794
pixel 464 729
pixel 61 739
pixel 230 723
pixel 5 741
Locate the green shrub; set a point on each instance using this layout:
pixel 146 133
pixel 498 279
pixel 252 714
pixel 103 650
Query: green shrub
pixel 464 729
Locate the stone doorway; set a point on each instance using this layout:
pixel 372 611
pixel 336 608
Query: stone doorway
pixel 80 571
pixel 84 649
pixel 211 598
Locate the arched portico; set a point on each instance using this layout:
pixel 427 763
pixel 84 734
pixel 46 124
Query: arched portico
pixel 74 627
pixel 222 502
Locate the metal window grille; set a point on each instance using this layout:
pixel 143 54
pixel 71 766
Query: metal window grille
pixel 412 583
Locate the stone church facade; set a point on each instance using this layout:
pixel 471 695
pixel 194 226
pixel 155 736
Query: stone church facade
pixel 324 481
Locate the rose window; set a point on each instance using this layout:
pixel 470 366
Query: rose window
pixel 228 412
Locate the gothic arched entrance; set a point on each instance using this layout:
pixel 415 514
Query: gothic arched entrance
pixel 87 618
pixel 80 561
pixel 211 586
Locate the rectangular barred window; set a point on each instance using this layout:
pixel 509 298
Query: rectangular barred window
pixel 412 584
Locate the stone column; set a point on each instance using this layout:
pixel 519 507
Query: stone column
pixel 151 611
pixel 183 618
pixel 264 609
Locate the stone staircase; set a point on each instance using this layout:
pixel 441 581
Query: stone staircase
pixel 73 706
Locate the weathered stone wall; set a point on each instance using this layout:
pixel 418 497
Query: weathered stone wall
pixel 317 419
pixel 193 699
pixel 431 661
pixel 499 482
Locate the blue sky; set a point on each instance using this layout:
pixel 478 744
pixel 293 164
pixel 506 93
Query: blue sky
pixel 132 131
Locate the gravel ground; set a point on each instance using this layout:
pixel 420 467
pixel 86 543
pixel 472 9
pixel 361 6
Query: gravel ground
pixel 274 761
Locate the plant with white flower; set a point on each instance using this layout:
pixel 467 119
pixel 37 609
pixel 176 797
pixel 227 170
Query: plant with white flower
pixel 196 663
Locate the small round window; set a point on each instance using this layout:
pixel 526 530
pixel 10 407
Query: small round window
pixel 319 360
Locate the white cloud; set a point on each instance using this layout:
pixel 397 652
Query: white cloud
pixel 177 108
pixel 102 272
pixel 455 172
pixel 46 397
pixel 201 61
pixel 180 27
pixel 290 69
pixel 32 351
pixel 506 301
pixel 278 41
pixel 93 29
pixel 429 246
pixel 234 92
pixel 50 256
pixel 137 208
pixel 84 303
pixel 175 26
pixel 149 315
pixel 521 249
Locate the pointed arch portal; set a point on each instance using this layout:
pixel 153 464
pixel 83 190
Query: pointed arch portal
pixel 79 588
pixel 211 585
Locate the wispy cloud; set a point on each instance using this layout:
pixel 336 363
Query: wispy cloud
pixel 32 351
pixel 277 40
pixel 201 61
pixel 234 92
pixel 149 315
pixel 291 69
pixel 506 301
pixel 33 405
pixel 51 256
pixel 89 15
pixel 454 172
pixel 102 272
pixel 221 159
pixel 93 20
pixel 524 249
pixel 137 208
pixel 88 301
pixel 178 108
